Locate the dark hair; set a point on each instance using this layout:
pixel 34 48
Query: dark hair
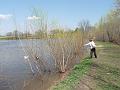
pixel 90 40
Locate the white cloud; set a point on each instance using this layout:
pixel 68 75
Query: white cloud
pixel 5 16
pixel 33 18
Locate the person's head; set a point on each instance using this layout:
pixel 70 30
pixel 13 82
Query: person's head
pixel 90 40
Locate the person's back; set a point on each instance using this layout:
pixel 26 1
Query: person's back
pixel 92 46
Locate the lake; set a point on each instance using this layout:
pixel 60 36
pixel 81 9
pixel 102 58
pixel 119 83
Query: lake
pixel 15 72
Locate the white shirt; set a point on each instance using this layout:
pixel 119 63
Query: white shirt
pixel 91 45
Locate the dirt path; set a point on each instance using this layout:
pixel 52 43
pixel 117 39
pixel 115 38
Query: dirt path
pixel 105 70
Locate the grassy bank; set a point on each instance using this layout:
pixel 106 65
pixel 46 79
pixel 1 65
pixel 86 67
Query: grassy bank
pixel 105 70
pixel 13 38
pixel 107 75
pixel 4 38
pixel 73 78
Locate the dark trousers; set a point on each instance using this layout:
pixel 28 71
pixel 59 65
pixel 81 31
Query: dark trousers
pixel 93 50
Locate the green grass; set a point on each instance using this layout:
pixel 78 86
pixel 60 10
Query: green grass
pixel 103 72
pixel 74 77
pixel 107 77
pixel 7 38
pixel 13 38
pixel 107 67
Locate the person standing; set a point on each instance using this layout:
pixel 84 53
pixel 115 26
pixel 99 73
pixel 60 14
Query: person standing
pixel 92 47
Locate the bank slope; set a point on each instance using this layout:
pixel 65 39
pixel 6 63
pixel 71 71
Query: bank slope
pixel 74 77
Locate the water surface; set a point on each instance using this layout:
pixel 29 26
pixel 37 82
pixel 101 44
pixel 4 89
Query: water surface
pixel 14 70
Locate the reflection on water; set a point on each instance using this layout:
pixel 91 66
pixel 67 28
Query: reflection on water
pixel 15 73
pixel 13 68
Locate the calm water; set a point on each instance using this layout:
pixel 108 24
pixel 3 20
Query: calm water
pixel 14 70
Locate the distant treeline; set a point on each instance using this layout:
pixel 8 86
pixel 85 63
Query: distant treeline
pixel 84 28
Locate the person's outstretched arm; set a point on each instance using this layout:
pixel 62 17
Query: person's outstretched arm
pixel 87 44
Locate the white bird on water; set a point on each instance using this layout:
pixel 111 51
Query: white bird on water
pixel 26 57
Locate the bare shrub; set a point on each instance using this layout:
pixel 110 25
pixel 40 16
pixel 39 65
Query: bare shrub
pixel 57 50
pixel 65 49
